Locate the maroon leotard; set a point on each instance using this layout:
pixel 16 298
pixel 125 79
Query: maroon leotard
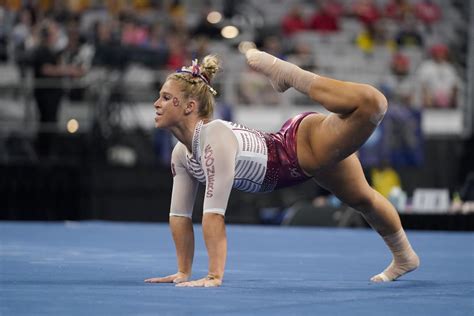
pixel 283 169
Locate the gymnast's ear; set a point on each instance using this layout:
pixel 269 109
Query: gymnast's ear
pixel 191 106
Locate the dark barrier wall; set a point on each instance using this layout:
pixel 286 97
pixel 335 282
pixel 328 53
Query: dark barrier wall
pixel 43 192
pixel 78 191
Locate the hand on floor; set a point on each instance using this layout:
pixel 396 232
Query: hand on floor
pixel 178 277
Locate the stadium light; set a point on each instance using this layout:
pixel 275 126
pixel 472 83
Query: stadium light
pixel 214 17
pixel 229 32
pixel 244 46
pixel 72 126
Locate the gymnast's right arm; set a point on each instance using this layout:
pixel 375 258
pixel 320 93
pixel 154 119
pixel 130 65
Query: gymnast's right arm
pixel 182 203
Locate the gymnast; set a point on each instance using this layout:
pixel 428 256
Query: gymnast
pixel 225 155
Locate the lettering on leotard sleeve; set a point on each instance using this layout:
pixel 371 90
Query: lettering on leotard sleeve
pixel 210 170
pixel 218 162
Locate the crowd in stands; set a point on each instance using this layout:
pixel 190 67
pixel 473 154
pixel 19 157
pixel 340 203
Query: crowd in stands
pixel 395 25
pixel 66 39
pixel 161 35
pixel 117 35
pixel 53 39
pixel 404 30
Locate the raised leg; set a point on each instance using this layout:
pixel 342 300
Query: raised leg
pixel 356 109
pixel 326 146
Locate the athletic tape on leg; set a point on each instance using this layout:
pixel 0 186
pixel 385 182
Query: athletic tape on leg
pixel 219 211
pixel 188 214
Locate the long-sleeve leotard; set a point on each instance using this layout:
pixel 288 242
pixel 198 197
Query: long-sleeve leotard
pixel 224 155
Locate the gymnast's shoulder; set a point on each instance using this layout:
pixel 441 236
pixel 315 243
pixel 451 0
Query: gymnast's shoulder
pixel 219 129
pixel 179 152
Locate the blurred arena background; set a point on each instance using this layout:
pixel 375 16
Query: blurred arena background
pixel 93 153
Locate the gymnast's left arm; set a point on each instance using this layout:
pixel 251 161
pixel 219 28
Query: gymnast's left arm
pixel 218 161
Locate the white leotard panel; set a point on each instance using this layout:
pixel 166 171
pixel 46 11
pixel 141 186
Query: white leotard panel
pixel 224 155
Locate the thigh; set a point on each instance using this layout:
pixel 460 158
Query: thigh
pixel 326 140
pixel 346 180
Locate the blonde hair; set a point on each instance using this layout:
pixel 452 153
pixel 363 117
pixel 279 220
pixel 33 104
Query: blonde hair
pixel 196 83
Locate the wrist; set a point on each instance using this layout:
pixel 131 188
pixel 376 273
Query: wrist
pixel 185 273
pixel 212 276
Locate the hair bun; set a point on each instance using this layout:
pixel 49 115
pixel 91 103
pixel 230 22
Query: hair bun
pixel 210 66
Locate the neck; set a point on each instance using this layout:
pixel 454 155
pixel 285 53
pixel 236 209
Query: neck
pixel 184 132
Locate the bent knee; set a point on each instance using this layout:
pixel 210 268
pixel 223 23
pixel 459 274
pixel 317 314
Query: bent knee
pixel 379 106
pixel 374 105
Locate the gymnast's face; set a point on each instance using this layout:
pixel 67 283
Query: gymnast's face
pixel 170 106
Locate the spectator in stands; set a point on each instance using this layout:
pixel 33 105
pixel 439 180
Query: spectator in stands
pixel 178 52
pixel 324 20
pixel 23 27
pixel 200 47
pixel 371 36
pixel 107 45
pixel 178 22
pixel 334 7
pixel 427 12
pixel 366 11
pixel 400 141
pixel 78 54
pixel 206 28
pixel 21 33
pixel 48 71
pixel 293 22
pixel 384 178
pixel 398 9
pixel 177 10
pixel 156 39
pixel 409 33
pixel 273 45
pixel 398 86
pixel 437 79
pixel 134 33
pixel 303 56
pixel 59 11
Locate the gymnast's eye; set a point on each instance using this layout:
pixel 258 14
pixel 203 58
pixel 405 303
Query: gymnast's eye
pixel 165 97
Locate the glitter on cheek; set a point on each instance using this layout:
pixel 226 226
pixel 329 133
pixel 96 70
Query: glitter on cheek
pixel 175 101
